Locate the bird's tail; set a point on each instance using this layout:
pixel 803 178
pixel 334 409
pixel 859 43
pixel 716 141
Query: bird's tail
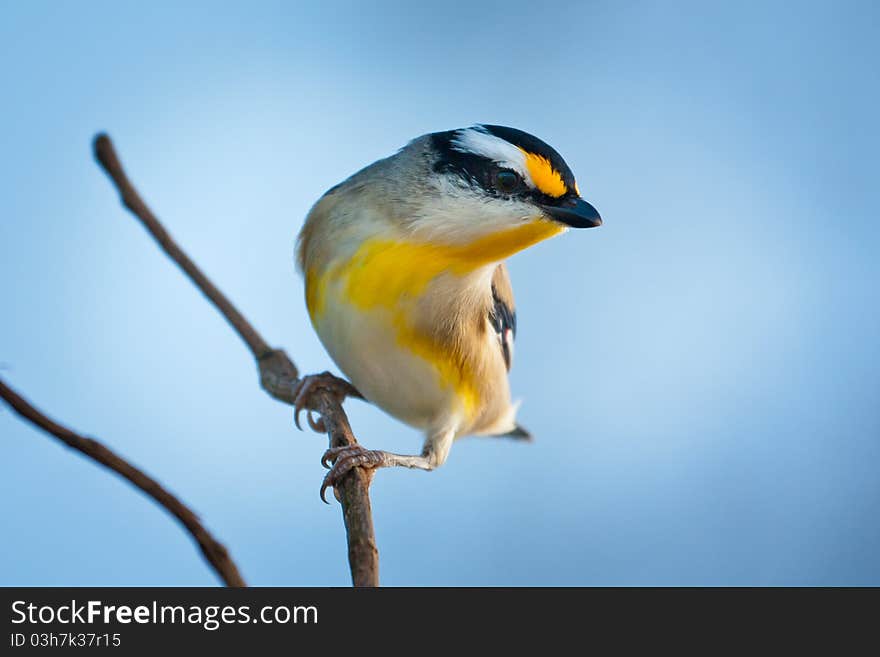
pixel 519 432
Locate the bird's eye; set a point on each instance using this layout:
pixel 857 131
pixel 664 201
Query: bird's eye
pixel 506 182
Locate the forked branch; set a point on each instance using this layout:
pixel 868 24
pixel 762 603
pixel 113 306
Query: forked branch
pixel 278 376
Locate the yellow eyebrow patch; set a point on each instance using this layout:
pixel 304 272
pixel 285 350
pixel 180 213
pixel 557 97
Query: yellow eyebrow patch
pixel 545 177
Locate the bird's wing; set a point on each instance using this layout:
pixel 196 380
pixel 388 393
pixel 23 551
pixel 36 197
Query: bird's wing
pixel 502 316
pixel 503 313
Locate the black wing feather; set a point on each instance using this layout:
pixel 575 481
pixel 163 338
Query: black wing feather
pixel 503 319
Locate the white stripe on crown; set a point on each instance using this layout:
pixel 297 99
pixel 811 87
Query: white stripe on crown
pixel 479 141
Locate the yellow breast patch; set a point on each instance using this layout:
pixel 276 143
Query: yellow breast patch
pixel 394 274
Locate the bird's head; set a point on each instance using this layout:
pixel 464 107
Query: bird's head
pixel 490 180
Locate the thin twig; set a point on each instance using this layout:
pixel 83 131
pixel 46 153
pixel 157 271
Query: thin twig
pixel 214 551
pixel 106 155
pixel 278 376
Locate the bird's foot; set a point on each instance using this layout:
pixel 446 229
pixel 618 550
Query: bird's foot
pixel 348 457
pixel 306 388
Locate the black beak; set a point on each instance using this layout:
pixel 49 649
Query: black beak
pixel 574 212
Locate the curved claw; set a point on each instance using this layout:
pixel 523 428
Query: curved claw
pixel 303 388
pixel 332 454
pixel 324 486
pixel 347 458
pixel 316 425
pixel 306 386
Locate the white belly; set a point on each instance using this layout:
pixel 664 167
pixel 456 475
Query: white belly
pixel 365 346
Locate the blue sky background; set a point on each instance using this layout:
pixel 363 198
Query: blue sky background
pixel 701 372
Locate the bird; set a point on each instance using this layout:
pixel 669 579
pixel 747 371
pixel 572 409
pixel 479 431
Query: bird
pixel 407 288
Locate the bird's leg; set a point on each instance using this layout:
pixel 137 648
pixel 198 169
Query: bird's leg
pixel 307 386
pixel 346 458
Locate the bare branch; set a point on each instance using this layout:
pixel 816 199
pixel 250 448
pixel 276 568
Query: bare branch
pixel 106 155
pixel 354 494
pixel 214 551
pixel 278 377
